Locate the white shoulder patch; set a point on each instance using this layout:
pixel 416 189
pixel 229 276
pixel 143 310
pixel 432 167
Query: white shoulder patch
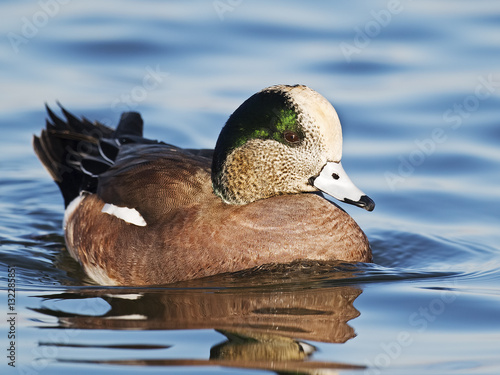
pixel 130 215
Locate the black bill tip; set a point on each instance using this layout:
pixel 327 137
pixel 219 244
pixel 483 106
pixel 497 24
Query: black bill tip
pixel 364 202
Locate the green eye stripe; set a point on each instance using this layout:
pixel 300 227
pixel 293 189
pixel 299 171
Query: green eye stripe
pixel 276 124
pixel 265 115
pixel 286 120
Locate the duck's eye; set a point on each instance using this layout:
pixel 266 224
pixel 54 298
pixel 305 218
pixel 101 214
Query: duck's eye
pixel 291 137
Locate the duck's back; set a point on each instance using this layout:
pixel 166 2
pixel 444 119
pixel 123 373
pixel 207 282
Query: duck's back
pixel 180 229
pixel 155 179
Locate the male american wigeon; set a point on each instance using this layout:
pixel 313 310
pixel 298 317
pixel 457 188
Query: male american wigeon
pixel 142 212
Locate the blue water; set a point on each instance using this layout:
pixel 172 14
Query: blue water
pixel 417 88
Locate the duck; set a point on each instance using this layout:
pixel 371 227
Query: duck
pixel 143 212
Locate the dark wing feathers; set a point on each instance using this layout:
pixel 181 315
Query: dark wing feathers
pixel 94 166
pixel 70 150
pixel 88 156
pixel 109 148
pixel 166 176
pixel 130 124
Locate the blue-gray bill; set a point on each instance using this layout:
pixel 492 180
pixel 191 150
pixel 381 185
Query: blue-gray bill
pixel 334 181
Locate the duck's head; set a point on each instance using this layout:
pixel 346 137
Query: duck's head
pixel 282 140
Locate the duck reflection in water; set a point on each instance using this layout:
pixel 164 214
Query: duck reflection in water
pixel 267 315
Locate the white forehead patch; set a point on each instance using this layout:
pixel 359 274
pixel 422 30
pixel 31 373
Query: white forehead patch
pixel 129 215
pixel 322 114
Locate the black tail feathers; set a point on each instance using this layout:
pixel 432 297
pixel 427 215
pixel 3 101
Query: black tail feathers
pixel 75 151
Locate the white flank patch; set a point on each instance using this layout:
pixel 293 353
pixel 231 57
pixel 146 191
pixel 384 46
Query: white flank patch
pixel 130 215
pixel 72 206
pixel 100 276
pixel 307 348
pixel 125 296
pixel 129 317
